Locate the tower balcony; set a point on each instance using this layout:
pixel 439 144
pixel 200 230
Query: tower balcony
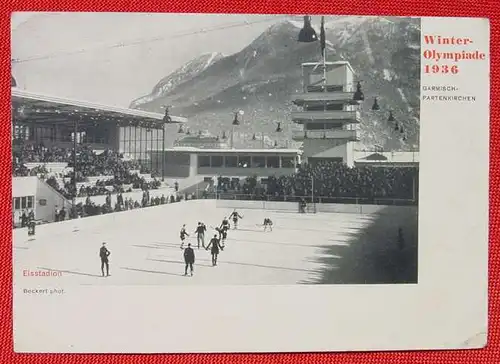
pixel 318 98
pixel 300 135
pixel 346 117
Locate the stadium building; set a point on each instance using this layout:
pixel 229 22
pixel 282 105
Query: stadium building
pixel 54 122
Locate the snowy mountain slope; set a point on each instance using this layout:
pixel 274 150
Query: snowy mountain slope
pixel 384 51
pixel 183 74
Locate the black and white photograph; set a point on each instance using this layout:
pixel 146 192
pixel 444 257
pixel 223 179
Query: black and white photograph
pixel 199 149
pixel 200 183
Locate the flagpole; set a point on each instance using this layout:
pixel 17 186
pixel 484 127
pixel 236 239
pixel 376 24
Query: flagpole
pixel 323 50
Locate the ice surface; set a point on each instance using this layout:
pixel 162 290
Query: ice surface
pixel 145 248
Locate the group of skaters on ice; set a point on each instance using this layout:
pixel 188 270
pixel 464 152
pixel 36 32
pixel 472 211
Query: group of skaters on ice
pixel 217 243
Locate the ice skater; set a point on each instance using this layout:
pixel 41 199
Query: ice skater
pixel 183 233
pixel 220 233
pixel 268 223
pixel 189 259
pixel 200 234
pixel 225 224
pixel 235 216
pixel 214 245
pixel 104 253
pixel 223 232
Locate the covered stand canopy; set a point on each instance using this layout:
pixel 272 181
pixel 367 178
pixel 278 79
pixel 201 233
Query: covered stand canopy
pixel 43 109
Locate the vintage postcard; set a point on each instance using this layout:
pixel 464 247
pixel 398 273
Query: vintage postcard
pixel 249 183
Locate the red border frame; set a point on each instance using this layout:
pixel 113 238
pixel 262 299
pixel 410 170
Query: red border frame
pixel 463 8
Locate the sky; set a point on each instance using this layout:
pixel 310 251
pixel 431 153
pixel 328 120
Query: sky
pixel 78 55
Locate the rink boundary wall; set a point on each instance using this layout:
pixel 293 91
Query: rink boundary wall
pixel 131 217
pixel 320 207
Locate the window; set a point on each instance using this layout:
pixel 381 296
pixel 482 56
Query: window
pixel 22 203
pixel 258 162
pixel 314 126
pixel 203 161
pixel 231 161
pixel 273 162
pixel 216 161
pixel 287 162
pixel 244 162
pixel 335 107
pixel 332 126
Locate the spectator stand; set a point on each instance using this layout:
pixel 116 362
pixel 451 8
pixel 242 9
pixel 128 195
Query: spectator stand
pixel 80 148
pixel 327 182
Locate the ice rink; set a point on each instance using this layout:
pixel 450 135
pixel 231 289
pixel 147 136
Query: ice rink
pixel 327 248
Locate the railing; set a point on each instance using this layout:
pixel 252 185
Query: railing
pixel 319 96
pixel 328 88
pixel 387 201
pixel 351 116
pixel 325 134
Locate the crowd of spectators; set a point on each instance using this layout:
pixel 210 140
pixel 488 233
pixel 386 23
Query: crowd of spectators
pixel 108 163
pixel 90 208
pixel 122 174
pixel 20 170
pixel 118 176
pixel 38 153
pixel 332 181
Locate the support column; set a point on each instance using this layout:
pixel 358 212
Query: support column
pixel 163 154
pixel 75 133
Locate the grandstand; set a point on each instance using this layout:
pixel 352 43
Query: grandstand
pixel 72 153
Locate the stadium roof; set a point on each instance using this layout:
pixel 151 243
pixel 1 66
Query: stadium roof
pixel 386 157
pixel 38 108
pixel 234 151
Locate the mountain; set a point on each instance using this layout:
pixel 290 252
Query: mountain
pixel 384 52
pixel 179 76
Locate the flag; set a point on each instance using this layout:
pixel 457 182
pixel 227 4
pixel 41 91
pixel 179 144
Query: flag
pixel 323 36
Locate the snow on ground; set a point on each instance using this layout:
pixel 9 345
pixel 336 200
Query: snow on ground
pixel 369 51
pixel 403 97
pixel 387 75
pixel 210 59
pixel 145 248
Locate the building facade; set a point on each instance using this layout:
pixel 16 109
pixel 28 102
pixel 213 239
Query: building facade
pixel 329 115
pixel 187 162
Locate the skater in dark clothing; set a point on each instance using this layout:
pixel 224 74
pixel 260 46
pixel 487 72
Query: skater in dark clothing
pixel 223 229
pixel 220 232
pixel 183 235
pixel 189 259
pixel 302 206
pixel 104 253
pixel 24 219
pixel 200 234
pixel 215 246
pixel 31 226
pixel 235 217
pixel 268 223
pixel 225 223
